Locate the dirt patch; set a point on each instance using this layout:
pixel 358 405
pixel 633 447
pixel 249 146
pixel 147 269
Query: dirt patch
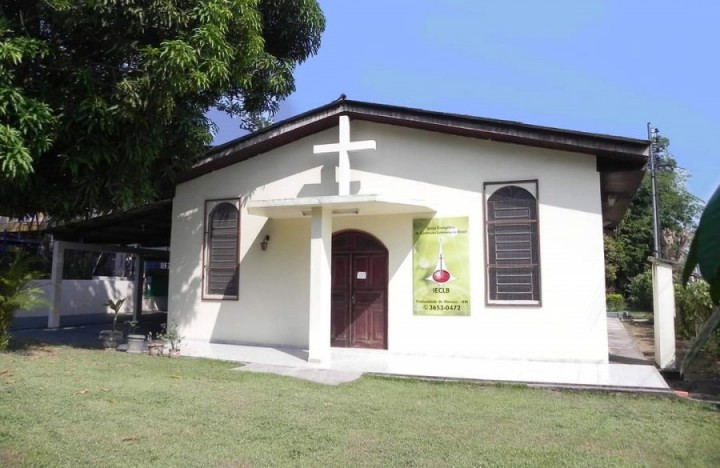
pixel 32 350
pixel 10 458
pixel 703 378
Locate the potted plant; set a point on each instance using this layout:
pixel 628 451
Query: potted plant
pixel 155 347
pixel 170 334
pixel 112 338
pixel 135 341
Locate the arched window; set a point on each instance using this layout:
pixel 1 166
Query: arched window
pixel 222 235
pixel 513 256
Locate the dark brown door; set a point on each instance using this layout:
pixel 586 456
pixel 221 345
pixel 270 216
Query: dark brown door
pixel 359 291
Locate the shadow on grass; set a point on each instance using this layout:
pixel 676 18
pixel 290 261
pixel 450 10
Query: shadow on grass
pixel 27 346
pixel 81 335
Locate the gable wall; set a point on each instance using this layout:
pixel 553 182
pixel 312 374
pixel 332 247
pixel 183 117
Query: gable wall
pixel 446 171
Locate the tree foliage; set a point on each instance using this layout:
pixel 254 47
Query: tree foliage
pixel 628 250
pixel 693 307
pixel 256 121
pixel 102 102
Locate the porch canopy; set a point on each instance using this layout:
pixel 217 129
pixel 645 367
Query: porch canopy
pixel 364 205
pixel 147 225
pixel 143 232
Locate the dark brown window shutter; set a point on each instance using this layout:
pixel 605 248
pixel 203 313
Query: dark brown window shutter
pixel 222 251
pixel 513 267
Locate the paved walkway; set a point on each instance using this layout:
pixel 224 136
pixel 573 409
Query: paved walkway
pixel 348 361
pixel 626 370
pixel 621 346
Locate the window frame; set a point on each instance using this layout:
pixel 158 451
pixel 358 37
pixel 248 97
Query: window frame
pixel 489 188
pixel 210 205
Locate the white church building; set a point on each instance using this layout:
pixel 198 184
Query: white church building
pixel 360 225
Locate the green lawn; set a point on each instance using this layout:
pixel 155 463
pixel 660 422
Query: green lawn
pixel 73 407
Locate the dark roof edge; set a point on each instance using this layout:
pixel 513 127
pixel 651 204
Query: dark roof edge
pixel 110 217
pixel 472 118
pixel 268 129
pixel 628 151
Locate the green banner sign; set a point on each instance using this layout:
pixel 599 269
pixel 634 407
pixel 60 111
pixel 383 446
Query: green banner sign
pixel 441 267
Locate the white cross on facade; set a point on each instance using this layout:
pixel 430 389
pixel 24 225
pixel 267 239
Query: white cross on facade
pixel 343 147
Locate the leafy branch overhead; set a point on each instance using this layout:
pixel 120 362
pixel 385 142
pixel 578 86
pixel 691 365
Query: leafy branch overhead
pixel 705 254
pixel 103 102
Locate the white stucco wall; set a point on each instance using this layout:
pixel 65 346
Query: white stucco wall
pixel 446 171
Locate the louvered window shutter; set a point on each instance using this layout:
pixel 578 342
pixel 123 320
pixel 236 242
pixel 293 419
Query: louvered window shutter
pixel 513 258
pixel 222 251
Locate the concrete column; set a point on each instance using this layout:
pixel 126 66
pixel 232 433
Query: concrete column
pixel 138 286
pixel 320 284
pixel 56 278
pixel 664 313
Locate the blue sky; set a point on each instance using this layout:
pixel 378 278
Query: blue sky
pixel 605 66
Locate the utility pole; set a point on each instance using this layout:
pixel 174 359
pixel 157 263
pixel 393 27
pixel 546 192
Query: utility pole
pixel 653 136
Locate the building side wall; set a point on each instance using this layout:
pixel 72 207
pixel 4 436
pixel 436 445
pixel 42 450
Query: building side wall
pixel 447 172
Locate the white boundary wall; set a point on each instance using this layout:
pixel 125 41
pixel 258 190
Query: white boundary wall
pixel 83 297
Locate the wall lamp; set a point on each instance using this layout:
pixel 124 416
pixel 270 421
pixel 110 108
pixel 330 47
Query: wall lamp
pixel 264 243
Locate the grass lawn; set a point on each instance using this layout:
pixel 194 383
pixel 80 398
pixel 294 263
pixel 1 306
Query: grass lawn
pixel 75 407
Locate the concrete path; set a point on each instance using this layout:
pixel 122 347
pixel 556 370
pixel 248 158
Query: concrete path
pixel 323 376
pixel 621 346
pixel 293 362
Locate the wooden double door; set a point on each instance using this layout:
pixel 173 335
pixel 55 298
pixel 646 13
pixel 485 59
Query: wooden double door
pixel 359 291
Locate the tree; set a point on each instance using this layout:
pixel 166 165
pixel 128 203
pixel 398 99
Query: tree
pixel 256 121
pixel 627 251
pixel 705 254
pixel 103 102
pixel 614 258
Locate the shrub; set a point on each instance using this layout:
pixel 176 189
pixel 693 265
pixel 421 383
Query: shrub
pixel 16 292
pixel 693 307
pixel 639 291
pixel 615 302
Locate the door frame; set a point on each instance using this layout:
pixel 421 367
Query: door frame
pixel 382 249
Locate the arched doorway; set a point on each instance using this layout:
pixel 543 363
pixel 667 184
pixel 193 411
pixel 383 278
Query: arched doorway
pixel 359 291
